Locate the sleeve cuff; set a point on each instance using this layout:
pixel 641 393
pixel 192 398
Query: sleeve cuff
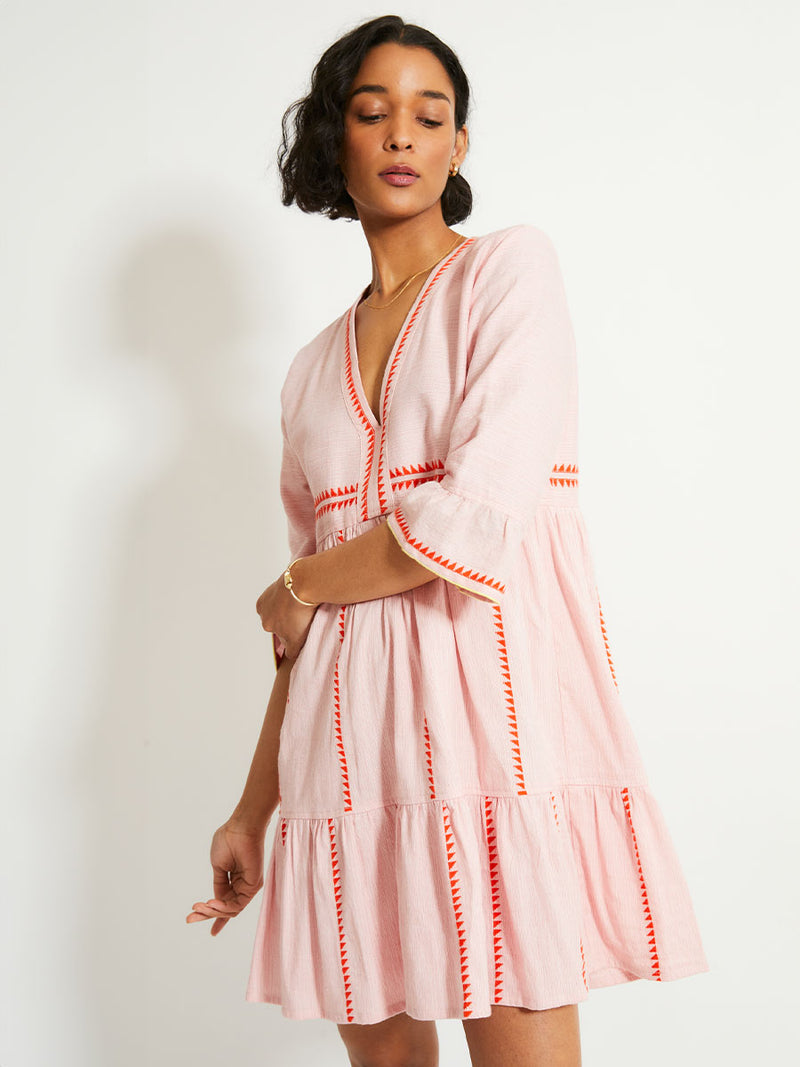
pixel 467 542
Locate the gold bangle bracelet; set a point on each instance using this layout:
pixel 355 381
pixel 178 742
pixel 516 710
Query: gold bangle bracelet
pixel 287 581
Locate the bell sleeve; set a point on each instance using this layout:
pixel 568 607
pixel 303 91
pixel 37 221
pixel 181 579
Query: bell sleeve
pixel 298 506
pixel 468 527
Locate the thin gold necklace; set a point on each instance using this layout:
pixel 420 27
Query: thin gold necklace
pixel 380 307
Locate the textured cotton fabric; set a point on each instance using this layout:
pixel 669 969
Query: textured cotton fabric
pixel 464 815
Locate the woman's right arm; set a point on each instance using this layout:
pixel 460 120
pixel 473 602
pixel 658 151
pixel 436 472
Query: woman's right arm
pixel 260 795
pixel 237 847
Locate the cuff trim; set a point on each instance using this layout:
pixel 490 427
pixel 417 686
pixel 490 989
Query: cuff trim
pixel 435 557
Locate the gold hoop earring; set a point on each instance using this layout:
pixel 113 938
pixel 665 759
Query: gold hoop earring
pixel 454 170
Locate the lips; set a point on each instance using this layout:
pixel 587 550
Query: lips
pixel 400 169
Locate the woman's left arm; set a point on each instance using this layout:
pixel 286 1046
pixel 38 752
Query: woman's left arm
pixel 366 567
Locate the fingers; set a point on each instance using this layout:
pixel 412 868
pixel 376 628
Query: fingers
pixel 237 866
pixel 217 925
pixel 215 907
pixel 212 909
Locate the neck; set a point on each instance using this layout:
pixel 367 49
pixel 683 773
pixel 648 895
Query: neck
pixel 400 251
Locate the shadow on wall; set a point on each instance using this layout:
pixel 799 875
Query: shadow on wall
pixel 180 685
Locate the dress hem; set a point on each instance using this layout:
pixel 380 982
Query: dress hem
pixel 602 978
pixel 525 899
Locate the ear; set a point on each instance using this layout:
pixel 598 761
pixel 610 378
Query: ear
pixel 461 146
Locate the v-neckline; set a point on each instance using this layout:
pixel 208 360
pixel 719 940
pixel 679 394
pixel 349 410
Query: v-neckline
pixel 354 364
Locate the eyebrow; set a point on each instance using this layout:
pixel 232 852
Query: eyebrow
pixel 429 94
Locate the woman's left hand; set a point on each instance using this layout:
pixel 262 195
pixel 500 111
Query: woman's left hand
pixel 281 614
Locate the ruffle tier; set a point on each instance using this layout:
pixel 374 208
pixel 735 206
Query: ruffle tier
pixel 444 907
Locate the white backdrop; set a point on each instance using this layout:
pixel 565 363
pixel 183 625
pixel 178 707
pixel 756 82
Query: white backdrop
pixel 154 291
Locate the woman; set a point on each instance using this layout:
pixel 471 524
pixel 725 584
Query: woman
pixel 466 829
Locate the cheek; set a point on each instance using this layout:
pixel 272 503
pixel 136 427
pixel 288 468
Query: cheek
pixel 360 146
pixel 439 161
pixel 441 147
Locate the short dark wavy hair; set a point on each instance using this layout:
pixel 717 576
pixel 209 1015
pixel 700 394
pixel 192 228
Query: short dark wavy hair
pixel 309 171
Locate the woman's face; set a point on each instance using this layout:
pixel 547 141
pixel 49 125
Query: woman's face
pixel 400 109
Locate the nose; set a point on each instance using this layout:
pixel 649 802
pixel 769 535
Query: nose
pixel 398 136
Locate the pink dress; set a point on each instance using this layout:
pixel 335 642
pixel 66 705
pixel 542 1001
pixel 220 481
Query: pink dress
pixel 464 815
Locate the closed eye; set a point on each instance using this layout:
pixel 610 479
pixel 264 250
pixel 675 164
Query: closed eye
pixel 369 118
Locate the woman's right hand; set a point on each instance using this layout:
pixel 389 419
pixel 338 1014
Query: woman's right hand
pixel 237 860
pixel 282 615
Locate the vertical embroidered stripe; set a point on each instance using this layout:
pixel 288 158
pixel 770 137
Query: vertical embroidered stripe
pixel 651 934
pixel 337 716
pixel 428 758
pixel 337 892
pixel 494 881
pixel 605 638
pixel 455 893
pixel 511 711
